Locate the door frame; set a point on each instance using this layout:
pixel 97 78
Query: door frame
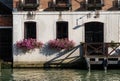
pixel 94 43
pixel 102 30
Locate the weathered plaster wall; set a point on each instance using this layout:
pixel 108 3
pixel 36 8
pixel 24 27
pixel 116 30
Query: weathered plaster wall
pixel 46 30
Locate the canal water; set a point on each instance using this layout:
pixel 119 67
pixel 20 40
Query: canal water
pixel 58 75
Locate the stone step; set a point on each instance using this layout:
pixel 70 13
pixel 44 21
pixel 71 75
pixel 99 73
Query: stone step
pixel 96 62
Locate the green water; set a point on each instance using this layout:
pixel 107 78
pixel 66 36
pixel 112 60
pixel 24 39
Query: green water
pixel 58 75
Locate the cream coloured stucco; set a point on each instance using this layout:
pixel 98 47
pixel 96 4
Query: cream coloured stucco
pixel 46 30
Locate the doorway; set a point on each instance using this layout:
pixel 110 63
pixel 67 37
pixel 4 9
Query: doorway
pixel 6 44
pixel 94 37
pixel 94 32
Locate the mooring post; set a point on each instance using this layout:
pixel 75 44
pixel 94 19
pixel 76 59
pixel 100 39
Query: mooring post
pixel 105 64
pixel 89 67
pixel 0 64
pixel 88 63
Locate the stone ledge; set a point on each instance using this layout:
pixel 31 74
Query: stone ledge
pixel 28 64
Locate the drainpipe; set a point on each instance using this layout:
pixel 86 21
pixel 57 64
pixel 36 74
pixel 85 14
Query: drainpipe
pixel 54 2
pixel 86 2
pixel 102 2
pixel 118 3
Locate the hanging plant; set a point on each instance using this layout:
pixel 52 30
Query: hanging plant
pixel 113 44
pixel 28 44
pixel 60 44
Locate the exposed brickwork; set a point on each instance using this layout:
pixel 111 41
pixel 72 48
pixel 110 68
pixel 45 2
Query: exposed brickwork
pixel 15 3
pixel 5 20
pixel 44 4
pixel 77 5
pixel 108 5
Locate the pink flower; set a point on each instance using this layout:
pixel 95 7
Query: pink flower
pixel 61 44
pixel 28 44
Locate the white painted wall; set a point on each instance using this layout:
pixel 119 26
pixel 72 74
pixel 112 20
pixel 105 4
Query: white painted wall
pixel 46 30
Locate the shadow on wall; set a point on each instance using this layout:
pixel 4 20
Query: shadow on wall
pixel 47 51
pixel 69 60
pixel 78 26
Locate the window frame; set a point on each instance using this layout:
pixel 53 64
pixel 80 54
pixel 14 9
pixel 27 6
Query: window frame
pixel 94 4
pixel 26 28
pixel 63 33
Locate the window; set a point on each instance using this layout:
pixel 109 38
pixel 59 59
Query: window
pixel 29 5
pixel 94 1
pixel 30 30
pixel 116 3
pixel 98 1
pixel 30 1
pixel 94 32
pixel 90 1
pixel 62 5
pixel 62 29
pixel 94 4
pixel 61 1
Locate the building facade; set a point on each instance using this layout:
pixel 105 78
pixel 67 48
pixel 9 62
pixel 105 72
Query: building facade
pixel 86 21
pixel 6 30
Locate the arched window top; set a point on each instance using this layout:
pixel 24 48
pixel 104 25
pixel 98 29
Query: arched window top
pixel 94 32
pixel 62 21
pixel 29 22
pixel 94 22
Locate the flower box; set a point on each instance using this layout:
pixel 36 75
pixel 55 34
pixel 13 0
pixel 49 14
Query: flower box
pixel 60 44
pixel 28 44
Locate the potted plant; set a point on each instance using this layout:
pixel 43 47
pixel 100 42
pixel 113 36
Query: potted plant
pixel 113 44
pixel 28 44
pixel 60 44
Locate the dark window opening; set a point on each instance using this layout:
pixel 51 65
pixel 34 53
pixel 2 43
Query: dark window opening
pixel 94 32
pixel 30 1
pixel 62 30
pixel 94 1
pixel 90 1
pixel 62 5
pixel 30 30
pixel 98 1
pixel 6 44
pixel 29 5
pixel 62 1
pixel 94 4
pixel 116 4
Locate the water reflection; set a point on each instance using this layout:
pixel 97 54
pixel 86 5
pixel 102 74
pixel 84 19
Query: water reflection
pixel 58 75
pixel 6 75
